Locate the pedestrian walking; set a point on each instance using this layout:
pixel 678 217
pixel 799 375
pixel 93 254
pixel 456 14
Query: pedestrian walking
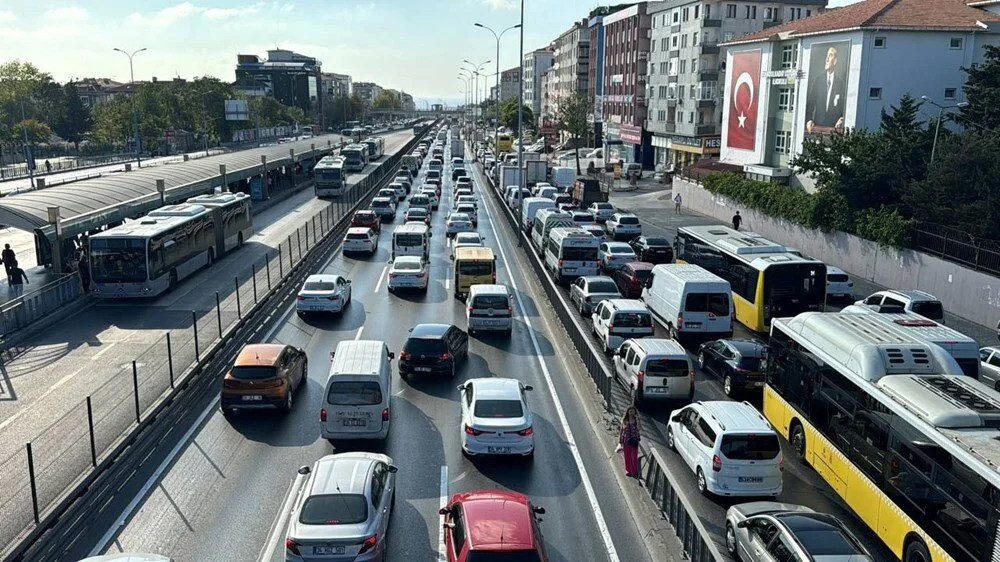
pixel 628 440
pixel 83 267
pixel 8 259
pixel 677 204
pixel 737 221
pixel 17 279
pixel 48 167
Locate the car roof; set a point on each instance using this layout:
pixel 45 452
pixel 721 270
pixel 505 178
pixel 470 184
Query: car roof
pixel 459 216
pixel 913 295
pixel 497 520
pixel 747 347
pixel 592 278
pixel 346 473
pixel 429 330
pixel 366 212
pixel 736 417
pixel 659 345
pixel 836 270
pixel 408 259
pixel 324 276
pixel 497 388
pixel 258 355
pixel 489 289
pixel 469 235
pixel 639 266
pixel 628 305
pixel 619 246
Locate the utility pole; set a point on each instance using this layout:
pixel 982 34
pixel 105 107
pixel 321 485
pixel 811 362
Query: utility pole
pixel 135 115
pixel 29 154
pixel 520 118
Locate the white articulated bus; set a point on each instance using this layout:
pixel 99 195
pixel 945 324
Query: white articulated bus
pixel 329 180
pixel 355 157
pixel 376 147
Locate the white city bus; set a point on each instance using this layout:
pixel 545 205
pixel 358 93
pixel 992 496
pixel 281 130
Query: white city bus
pixel 328 179
pixel 355 157
pixel 376 147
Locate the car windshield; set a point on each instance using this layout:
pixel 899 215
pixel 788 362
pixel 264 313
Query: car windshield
pixel 503 556
pixel 354 393
pixel 929 309
pixel 334 509
pixel 419 200
pixel 620 250
pixel 579 254
pixel 319 286
pixel 425 345
pixel 417 213
pixel 602 287
pixel 750 447
pixel 365 216
pixel 641 274
pixel 380 203
pixel 253 372
pixel 604 206
pixel 498 409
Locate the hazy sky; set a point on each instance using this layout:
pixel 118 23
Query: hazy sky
pixel 414 45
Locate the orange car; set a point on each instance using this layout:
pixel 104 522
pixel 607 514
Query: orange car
pixel 264 376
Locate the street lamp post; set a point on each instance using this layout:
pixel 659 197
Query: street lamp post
pixel 520 116
pixel 496 107
pixel 135 116
pixel 937 127
pixel 476 72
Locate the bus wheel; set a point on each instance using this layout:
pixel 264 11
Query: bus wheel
pixel 915 551
pixel 797 438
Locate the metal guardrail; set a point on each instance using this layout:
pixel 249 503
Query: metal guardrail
pixel 29 307
pixel 658 481
pixel 41 481
pixel 956 246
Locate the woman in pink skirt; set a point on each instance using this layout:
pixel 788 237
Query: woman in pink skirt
pixel 629 440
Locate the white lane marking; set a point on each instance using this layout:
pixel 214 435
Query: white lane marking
pixel 104 349
pixel 602 525
pixel 280 519
pixel 442 555
pixel 357 336
pixel 447 283
pixel 380 277
pixel 140 497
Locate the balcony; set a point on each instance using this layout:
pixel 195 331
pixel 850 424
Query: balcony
pixel 705 129
pixel 671 103
pixel 712 22
pixel 706 102
pixel 674 53
pixel 708 76
pixel 710 48
pixel 669 127
pixel 643 56
pixel 672 79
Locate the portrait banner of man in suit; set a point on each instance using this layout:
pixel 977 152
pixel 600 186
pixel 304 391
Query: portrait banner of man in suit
pixel 826 96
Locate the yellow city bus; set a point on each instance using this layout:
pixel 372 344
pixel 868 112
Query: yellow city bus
pixel 505 143
pixel 473 265
pixel 767 280
pixel 894 427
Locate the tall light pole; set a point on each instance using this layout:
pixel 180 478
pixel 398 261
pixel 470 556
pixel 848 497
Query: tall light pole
pixel 520 116
pixel 135 116
pixel 467 78
pixel 476 71
pixel 937 127
pixel 496 107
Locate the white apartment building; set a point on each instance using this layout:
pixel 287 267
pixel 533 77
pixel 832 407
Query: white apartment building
pixel 535 64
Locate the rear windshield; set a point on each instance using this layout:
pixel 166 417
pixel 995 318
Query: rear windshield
pixel 633 320
pixel 676 367
pixel 490 301
pixel 750 363
pixel 425 345
pixel 419 200
pixel 498 409
pixel 408 239
pixel 433 174
pixel 354 393
pixel 750 447
pixel 253 373
pixel 365 215
pixel 628 220
pixel 603 206
pixel 715 303
pixel 406 266
pixel 334 509
pixel 602 287
pixel 357 236
pixel 836 277
pixel 504 556
pixel 657 242
pixel 417 212
pixel 579 254
pixel 378 203
pixel 319 286
pixel 929 309
pixel 475 268
pixel 642 274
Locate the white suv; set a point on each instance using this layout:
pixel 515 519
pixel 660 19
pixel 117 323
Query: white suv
pixel 729 446
pixel 616 320
pixel 917 302
pixel 623 224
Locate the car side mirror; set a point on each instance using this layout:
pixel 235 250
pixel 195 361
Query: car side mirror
pixel 451 256
pixel 538 509
pixel 348 281
pixel 304 470
pixel 391 356
pixel 461 386
pixel 528 387
pixel 676 418
pixel 393 468
pixel 743 524
pixel 444 511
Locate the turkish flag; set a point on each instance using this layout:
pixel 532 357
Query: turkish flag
pixel 743 97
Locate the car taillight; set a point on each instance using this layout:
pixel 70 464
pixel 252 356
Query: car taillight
pixel 680 322
pixel 641 375
pixel 781 464
pixel 716 463
pixel 470 309
pixel 560 262
pixel 526 432
pixel 445 356
pixel 691 376
pixel 611 327
pixel 392 276
pixel 369 544
pixel 404 354
pixel 292 546
pixel 299 297
pixel 494 276
pixel 385 414
pixel 334 298
pixel 472 431
pixel 322 415
pixel 510 310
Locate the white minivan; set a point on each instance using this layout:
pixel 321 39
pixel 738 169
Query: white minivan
pixel 654 369
pixel 617 320
pixel 489 309
pixel 545 220
pixel 691 302
pixel 358 391
pixel 411 239
pixel 571 252
pixel 530 207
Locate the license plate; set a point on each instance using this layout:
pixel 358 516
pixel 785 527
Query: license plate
pixel 422 369
pixel 318 550
pixel 656 390
pixel 355 422
pixel 498 450
pixel 751 479
pixel 756 384
pixel 252 397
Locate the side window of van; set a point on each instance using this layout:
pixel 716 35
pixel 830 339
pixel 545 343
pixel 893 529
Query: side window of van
pixel 629 356
pixel 636 359
pixel 705 433
pixel 606 313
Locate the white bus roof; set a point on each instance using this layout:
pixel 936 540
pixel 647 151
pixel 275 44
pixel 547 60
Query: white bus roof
pixel 914 324
pixel 219 199
pixel 748 246
pixel 146 227
pixel 330 162
pixel 179 210
pixel 865 346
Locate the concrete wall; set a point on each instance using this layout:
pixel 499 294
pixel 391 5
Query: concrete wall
pixel 966 293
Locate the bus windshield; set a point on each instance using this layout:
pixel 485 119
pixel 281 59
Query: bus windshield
pixel 118 260
pixel 793 288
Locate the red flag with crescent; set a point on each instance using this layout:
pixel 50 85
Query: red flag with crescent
pixel 743 98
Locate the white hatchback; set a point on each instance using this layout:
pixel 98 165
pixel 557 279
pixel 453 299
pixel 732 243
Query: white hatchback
pixel 360 240
pixel 323 293
pixel 458 222
pixel 838 283
pixel 496 419
pixel 408 272
pixel 623 225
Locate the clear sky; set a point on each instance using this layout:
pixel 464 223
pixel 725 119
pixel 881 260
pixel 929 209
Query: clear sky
pixel 413 45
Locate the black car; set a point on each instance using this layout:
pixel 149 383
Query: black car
pixel 433 349
pixel 736 362
pixel 457 173
pixel 653 249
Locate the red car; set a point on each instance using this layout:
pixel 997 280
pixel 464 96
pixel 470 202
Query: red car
pixel 492 525
pixel 632 277
pixel 367 219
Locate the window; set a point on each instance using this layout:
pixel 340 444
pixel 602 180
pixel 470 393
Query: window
pixel 794 13
pixel 663 43
pixel 789 56
pixel 704 433
pixel 768 13
pixel 696 7
pixel 664 67
pixel 694 39
pixel 751 12
pixel 661 115
pixel 785 99
pixel 956 42
pixel 684 41
pixel 670 68
pixel 730 10
pixel 677 16
pixel 458 530
pixel 652 47
pixel 683 67
pixel 663 91
pixel 808 12
pixel 708 11
pixel 673 42
pixel 949 93
pixel 694 65
pixel 781 141
pixel 880 42
pixel 672 91
pixel 686 14
pixel 874 93
pixel 716 303
pixel 680 91
pixel 690 116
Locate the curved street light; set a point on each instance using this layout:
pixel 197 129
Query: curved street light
pixel 476 71
pixel 937 128
pixel 496 125
pixel 135 116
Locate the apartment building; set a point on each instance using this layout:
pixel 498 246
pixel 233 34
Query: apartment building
pixel 595 74
pixel 571 52
pixel 367 91
pixel 510 83
pixel 336 85
pixel 535 64
pixel 684 94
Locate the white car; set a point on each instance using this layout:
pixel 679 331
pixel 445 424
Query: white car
pixel 431 194
pixel 588 291
pixel 581 218
pixel 323 293
pixel 917 302
pixel 468 209
pixel 468 239
pixel 496 419
pixel 601 211
pixel 462 192
pixel 597 230
pixel 613 255
pixel 838 283
pixel 360 240
pixel 463 181
pixel 408 272
pixel 471 200
pixel 616 320
pixel 386 192
pixel 623 224
pixel 458 222
pixel 400 190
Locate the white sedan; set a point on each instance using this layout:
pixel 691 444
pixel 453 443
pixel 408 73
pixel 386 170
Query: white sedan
pixel 613 255
pixel 408 272
pixel 323 293
pixel 459 222
pixel 468 239
pixel 470 199
pixel 360 240
pixel 468 209
pixel 496 419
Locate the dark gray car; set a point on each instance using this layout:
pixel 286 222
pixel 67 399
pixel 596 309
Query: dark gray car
pixel 766 531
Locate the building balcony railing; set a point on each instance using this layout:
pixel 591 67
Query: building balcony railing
pixel 671 102
pixel 712 22
pixel 708 76
pixel 706 102
pixel 674 53
pixel 705 129
pixel 710 48
pixel 669 127
pixel 672 79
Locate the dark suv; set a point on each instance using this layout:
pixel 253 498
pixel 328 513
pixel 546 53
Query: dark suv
pixel 433 349
pixel 653 249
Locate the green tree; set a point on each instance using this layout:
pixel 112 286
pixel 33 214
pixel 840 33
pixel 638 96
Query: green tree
pixel 386 99
pixel 75 122
pixel 982 91
pixel 37 131
pixel 508 114
pixel 571 116
pixel 909 142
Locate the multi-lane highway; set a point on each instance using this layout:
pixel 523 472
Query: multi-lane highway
pixel 226 497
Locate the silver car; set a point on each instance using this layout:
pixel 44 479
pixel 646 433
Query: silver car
pixel 458 222
pixel 779 531
pixel 323 293
pixel 342 511
pixel 588 291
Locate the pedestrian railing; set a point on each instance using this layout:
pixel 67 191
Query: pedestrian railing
pixel 956 246
pixel 29 307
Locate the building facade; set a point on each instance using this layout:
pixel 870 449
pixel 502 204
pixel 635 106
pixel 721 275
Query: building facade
pixel 535 64
pixel 571 59
pixel 685 98
pixel 368 91
pixel 287 76
pixel 839 70
pixel 510 83
pixel 595 77
pixel 95 91
pixel 336 85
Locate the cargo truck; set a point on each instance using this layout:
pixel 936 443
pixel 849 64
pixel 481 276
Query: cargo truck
pixel 457 147
pixel 534 172
pixel 508 176
pixel 587 190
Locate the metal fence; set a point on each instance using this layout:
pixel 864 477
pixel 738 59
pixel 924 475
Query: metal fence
pixel 29 307
pixel 33 480
pixel 957 246
pixel 20 170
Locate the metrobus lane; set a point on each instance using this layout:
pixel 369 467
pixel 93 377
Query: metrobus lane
pixel 232 482
pixel 52 371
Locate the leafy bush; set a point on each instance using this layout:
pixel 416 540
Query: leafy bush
pixel 884 225
pixel 772 199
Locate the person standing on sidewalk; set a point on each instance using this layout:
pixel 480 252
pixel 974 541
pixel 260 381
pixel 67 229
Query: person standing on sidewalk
pixel 629 438
pixel 677 204
pixel 17 279
pixel 8 259
pixel 737 221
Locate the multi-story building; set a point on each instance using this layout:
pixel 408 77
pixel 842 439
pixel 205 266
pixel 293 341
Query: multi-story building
pixel 94 91
pixel 685 99
pixel 287 76
pixel 535 64
pixel 368 91
pixel 548 118
pixel 510 83
pixel 407 101
pixel 626 53
pixel 571 54
pixel 336 85
pixel 595 71
pixel 838 70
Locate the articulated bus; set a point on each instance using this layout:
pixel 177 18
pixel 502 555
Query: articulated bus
pixel 376 147
pixel 354 134
pixel 329 178
pixel 146 257
pixel 768 281
pixel 355 157
pixel 891 423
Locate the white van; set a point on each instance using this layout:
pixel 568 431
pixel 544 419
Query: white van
pixel 571 252
pixel 358 391
pixel 412 239
pixel 691 302
pixel 530 207
pixel 489 309
pixel 654 369
pixel 545 221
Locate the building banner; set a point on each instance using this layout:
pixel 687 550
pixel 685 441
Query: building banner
pixel 826 95
pixel 743 98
